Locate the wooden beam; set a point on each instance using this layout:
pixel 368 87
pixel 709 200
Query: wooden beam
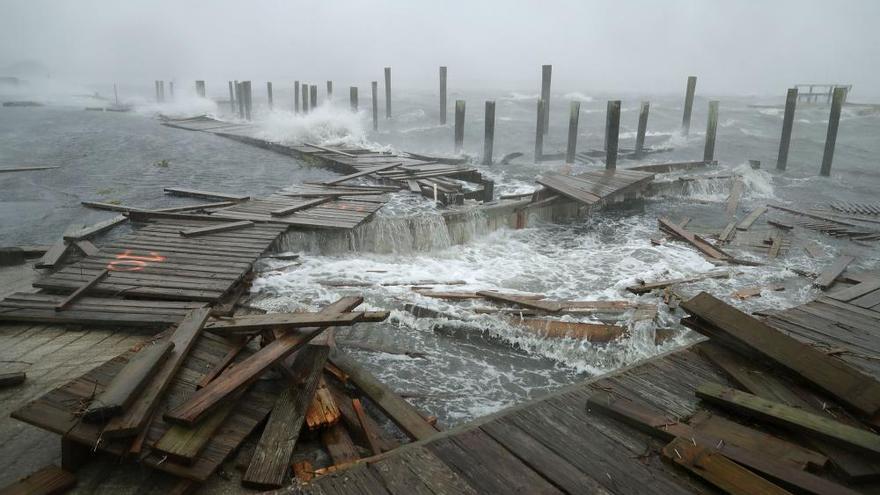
pixel 555 329
pixel 271 460
pixel 829 275
pixel 362 173
pixel 87 248
pixel 136 417
pixel 95 229
pixel 124 388
pixel 372 439
pixel 247 324
pixel 225 361
pixel 213 229
pixel 774 412
pixel 183 444
pixel 751 217
pixel 194 193
pixel 693 239
pixel 549 306
pixel 746 334
pixel 58 250
pixel 50 480
pixel 287 210
pixel 644 288
pixel 25 169
pixel 330 150
pixel 404 415
pixel 78 293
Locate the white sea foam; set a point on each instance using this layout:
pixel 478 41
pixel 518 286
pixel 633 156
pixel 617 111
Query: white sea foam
pixel 578 96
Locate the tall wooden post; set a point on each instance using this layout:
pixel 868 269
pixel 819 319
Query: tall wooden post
pixel 374 88
pixel 459 125
pixel 387 92
pixel 232 96
pixel 573 118
pixel 329 90
pixel 711 128
pixel 239 97
pixel 115 94
pixel 248 100
pixel 295 96
pixel 353 97
pixel 161 91
pixel 313 97
pixel 546 72
pixel 156 86
pixel 613 134
pixel 607 124
pixel 787 125
pixel 200 89
pixel 688 105
pixel 489 133
pixel 305 98
pixel 539 133
pixel 442 95
pixel 171 90
pixel 833 123
pixel 269 95
pixel 643 127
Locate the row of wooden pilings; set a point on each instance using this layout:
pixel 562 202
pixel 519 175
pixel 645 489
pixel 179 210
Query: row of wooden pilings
pixel 306 100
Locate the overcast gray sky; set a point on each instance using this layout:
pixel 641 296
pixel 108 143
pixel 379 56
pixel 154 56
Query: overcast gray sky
pixel 735 47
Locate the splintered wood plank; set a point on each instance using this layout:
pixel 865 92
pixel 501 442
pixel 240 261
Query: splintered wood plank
pixel 287 210
pixel 323 411
pixel 650 286
pixel 213 229
pixel 125 386
pixel 78 293
pixel 95 229
pixel 179 191
pixel 363 428
pixel 717 469
pixel 591 332
pixel 237 378
pixel 777 413
pixel 751 217
pixel 280 321
pixel 404 415
pixel 51 480
pixel 829 275
pixel 748 334
pixel 269 464
pixel 183 338
pixel 526 302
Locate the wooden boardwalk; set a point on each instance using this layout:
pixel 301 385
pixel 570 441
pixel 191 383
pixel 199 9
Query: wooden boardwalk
pixel 596 187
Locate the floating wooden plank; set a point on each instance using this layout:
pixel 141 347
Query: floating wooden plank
pixel 780 225
pixel 775 245
pixel 362 173
pixel 194 193
pixel 549 306
pixel 57 251
pixel 213 229
pixel 717 469
pixel 25 169
pixel 271 460
pixel 135 418
pixel 747 334
pixel 811 215
pixel 665 168
pixel 756 291
pixel 455 296
pixel 829 275
pixel 733 199
pixel 555 329
pixel 248 324
pixel 644 288
pixel 751 218
pixel 51 480
pixel 78 293
pixel 694 240
pixel 127 384
pixel 237 378
pixel 287 210
pixel 331 150
pixel 12 379
pixel 405 416
pixel 95 229
pixel 781 414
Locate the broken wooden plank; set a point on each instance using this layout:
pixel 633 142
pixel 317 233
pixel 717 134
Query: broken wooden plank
pixel 87 248
pixel 728 232
pixel 323 411
pixel 136 417
pixel 372 438
pixel 555 329
pixel 249 324
pixel 78 293
pixel 748 335
pixel 756 291
pixel 404 415
pixel 696 241
pixel 237 378
pixel 644 288
pixel 829 275
pixel 194 193
pixel 331 150
pixel 526 302
pixel 57 251
pixel 51 480
pixel 717 469
pixel 213 229
pixel 12 379
pixel 775 245
pixel 124 388
pixel 287 210
pixel 733 199
pixel 362 173
pixel 751 218
pixel 93 230
pixel 774 412
pixel 271 460
pixel 26 169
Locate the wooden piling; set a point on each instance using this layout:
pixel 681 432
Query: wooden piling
pixel 459 125
pixel 442 95
pixel 305 98
pixel 269 94
pixel 688 105
pixel 161 91
pixel 313 96
pixel 644 109
pixel 115 94
pixel 248 100
pixel 833 123
pixel 329 90
pixel 353 98
pixel 787 124
pixel 156 86
pixel 239 97
pixel 546 72
pixel 374 86
pixel 200 89
pixel 711 128
pixel 295 96
pixel 573 118
pixel 489 133
pixel 612 134
pixel 232 96
pixel 171 90
pixel 539 133
pixel 387 92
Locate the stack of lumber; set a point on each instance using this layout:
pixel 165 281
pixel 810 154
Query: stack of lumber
pixel 185 400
